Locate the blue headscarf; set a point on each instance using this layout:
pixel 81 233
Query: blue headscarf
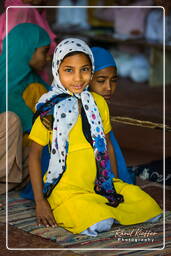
pixel 102 58
pixel 23 40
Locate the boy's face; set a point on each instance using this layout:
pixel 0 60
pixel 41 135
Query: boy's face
pixel 75 72
pixel 104 82
pixel 40 58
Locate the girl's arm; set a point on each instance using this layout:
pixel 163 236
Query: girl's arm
pixel 111 155
pixel 43 211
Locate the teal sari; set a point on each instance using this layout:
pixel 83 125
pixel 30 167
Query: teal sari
pixel 22 41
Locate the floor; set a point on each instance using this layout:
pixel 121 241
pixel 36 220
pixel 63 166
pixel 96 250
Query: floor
pixel 139 145
pixel 20 239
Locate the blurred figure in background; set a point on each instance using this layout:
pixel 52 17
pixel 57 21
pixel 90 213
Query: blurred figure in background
pixel 25 56
pixel 154 27
pixel 128 23
pixel 27 15
pixel 155 33
pixel 71 18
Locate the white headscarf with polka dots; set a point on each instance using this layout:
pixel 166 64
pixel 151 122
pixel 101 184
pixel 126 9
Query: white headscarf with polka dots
pixel 66 112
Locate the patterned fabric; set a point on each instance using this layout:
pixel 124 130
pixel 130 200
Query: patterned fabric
pixel 65 114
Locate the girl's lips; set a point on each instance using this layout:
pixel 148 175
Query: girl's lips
pixel 107 96
pixel 78 87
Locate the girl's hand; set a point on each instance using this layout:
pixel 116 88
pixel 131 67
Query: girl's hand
pixel 44 214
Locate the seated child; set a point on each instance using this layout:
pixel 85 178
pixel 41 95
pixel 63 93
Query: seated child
pixel 105 66
pixel 104 82
pixel 80 192
pixel 27 55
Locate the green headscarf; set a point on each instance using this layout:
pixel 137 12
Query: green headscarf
pixel 23 40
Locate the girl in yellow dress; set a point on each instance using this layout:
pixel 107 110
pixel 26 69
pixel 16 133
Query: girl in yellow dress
pixel 81 191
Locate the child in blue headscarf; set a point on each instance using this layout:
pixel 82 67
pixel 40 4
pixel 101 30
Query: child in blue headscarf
pixel 27 52
pixel 104 82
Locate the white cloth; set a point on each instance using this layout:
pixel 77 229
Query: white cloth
pixel 105 225
pixel 102 226
pixel 155 219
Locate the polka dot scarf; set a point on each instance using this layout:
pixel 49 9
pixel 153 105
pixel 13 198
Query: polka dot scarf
pixel 65 114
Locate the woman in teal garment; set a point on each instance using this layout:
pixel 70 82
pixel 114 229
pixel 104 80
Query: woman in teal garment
pixel 27 46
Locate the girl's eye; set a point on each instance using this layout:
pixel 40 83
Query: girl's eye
pixel 114 80
pixel 85 69
pixel 100 81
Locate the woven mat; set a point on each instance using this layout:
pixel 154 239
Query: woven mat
pixel 21 214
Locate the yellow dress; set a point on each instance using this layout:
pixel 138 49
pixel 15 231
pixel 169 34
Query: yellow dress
pixel 74 202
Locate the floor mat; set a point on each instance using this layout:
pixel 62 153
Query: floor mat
pixel 21 214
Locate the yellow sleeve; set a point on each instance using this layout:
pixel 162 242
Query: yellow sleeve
pixel 39 133
pixel 32 93
pixel 104 112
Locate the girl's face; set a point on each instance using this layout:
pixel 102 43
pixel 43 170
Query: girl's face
pixel 75 72
pixel 104 82
pixel 40 58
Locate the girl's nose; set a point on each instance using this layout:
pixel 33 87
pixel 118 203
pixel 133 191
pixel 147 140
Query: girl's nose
pixel 107 86
pixel 77 76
